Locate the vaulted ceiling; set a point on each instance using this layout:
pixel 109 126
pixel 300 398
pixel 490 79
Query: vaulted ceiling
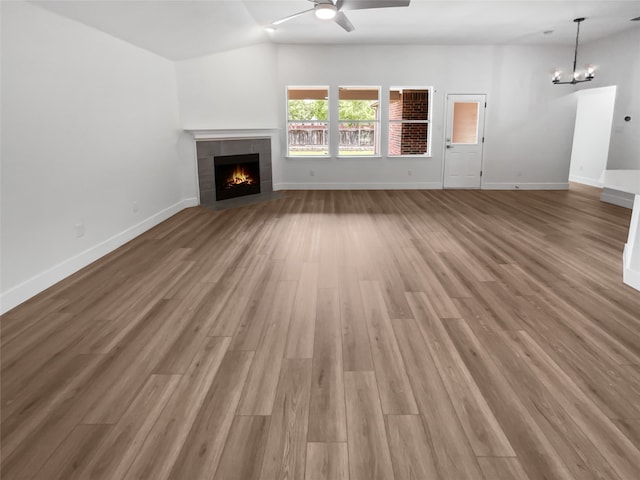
pixel 186 29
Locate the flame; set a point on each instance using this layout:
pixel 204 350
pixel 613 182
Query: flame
pixel 240 177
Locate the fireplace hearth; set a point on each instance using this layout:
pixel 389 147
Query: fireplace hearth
pixel 236 175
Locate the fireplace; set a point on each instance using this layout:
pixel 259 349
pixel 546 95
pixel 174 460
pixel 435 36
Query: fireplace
pixel 236 175
pixel 217 158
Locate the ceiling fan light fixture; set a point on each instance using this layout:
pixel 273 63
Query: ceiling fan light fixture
pixel 325 11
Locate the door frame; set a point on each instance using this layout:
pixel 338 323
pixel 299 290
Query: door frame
pixel 444 136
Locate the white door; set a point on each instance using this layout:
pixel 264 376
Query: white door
pixel 464 141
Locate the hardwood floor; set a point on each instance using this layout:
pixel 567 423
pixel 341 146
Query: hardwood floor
pixel 338 335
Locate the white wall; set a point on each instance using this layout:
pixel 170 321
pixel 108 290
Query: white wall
pixel 618 61
pixel 229 90
pixel 89 126
pixel 592 134
pixel 529 123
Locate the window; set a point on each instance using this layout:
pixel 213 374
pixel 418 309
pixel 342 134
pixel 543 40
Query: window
pixel 359 120
pixel 358 116
pixel 308 121
pixel 409 121
pixel 465 123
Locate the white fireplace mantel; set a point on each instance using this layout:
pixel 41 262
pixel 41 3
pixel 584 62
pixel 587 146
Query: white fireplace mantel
pixel 232 133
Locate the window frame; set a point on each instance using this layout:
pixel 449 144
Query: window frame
pixel 428 121
pixel 377 141
pixel 326 122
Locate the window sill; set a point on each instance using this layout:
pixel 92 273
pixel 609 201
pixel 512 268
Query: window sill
pixel 302 157
pixel 341 157
pixel 410 156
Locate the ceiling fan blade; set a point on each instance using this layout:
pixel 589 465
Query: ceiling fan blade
pixel 318 2
pixel 363 4
pixel 290 17
pixel 342 20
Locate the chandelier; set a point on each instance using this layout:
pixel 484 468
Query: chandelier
pixel 577 77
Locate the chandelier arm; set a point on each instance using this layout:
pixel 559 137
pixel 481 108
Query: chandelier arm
pixel 572 82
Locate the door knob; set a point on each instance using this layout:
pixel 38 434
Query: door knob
pixel 448 146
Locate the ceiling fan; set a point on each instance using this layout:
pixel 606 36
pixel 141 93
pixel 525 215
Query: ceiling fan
pixel 330 10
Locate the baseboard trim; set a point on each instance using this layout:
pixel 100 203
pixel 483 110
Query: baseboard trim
pixel 358 186
pixel 40 282
pixel 524 186
pixel 585 181
pixel 621 199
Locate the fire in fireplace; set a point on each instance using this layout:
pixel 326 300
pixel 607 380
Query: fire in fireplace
pixel 237 175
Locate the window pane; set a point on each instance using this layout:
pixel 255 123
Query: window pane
pixel 408 104
pixel 358 138
pixel 408 138
pixel 359 113
pixel 465 122
pixel 408 120
pixel 308 139
pixel 308 103
pixel 358 103
pixel 307 116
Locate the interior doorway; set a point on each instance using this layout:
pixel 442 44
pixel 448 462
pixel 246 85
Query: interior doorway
pixel 464 141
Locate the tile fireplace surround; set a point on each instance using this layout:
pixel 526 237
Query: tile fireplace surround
pixel 214 143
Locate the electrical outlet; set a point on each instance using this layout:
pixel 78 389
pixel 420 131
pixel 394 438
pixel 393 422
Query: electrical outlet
pixel 311 173
pixel 79 229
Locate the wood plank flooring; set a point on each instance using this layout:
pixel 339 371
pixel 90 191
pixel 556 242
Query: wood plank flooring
pixel 340 335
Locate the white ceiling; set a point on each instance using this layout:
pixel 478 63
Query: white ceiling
pixel 185 29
